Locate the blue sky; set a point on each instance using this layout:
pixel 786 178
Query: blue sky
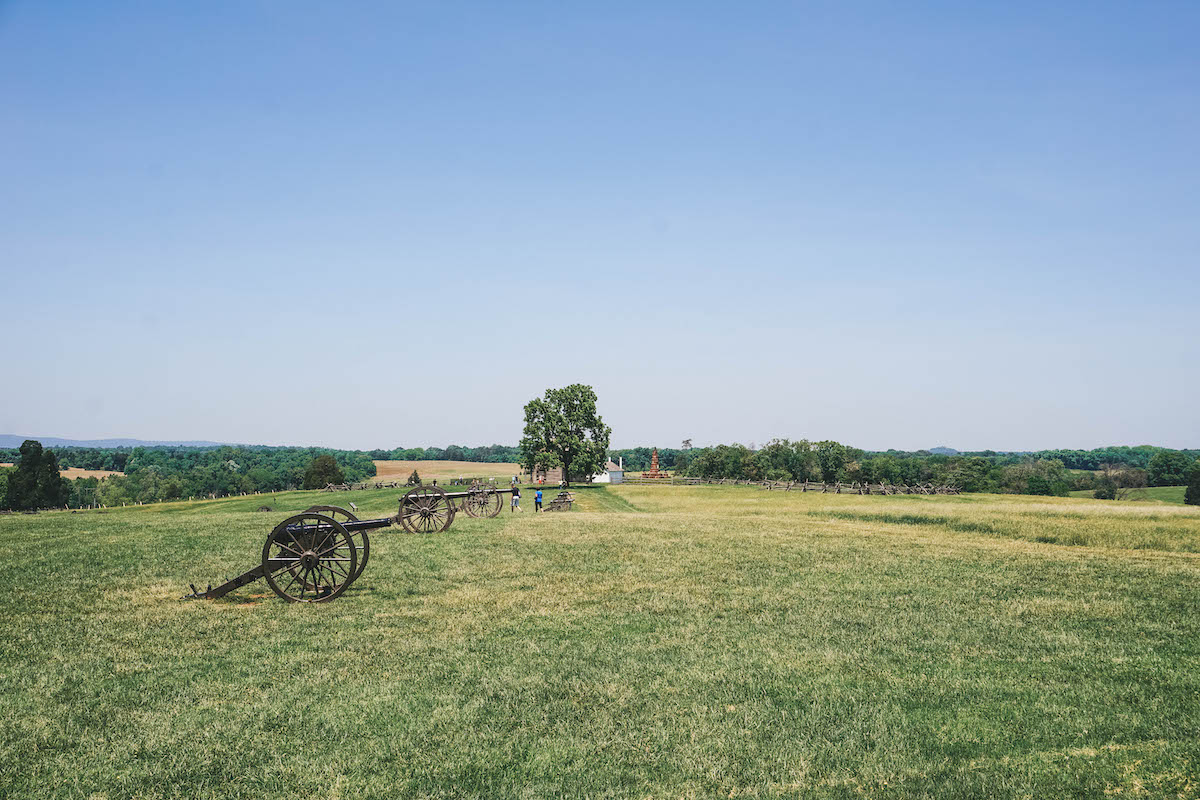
pixel 379 224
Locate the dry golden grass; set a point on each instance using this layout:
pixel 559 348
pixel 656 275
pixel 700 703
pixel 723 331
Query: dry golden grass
pixel 72 473
pixel 442 470
pixel 1044 520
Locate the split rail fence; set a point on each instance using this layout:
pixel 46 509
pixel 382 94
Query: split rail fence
pixel 354 487
pixel 801 486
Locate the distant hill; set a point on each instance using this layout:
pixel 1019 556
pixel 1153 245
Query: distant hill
pixel 943 451
pixel 13 440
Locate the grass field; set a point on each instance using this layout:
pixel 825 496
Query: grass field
pixel 443 470
pixel 655 642
pixel 76 472
pixel 1160 494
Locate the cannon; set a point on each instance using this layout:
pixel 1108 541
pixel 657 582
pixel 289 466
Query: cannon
pixel 562 502
pixel 481 500
pixel 314 556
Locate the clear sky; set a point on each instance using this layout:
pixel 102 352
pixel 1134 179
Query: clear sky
pixel 379 224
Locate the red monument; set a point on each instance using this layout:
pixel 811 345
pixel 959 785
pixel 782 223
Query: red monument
pixel 654 472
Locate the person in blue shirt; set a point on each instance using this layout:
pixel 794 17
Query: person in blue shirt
pixel 537 501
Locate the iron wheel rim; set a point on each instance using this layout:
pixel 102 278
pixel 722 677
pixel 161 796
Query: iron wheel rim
pixel 309 558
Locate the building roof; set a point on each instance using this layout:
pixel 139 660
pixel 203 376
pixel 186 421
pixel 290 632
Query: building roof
pixel 613 467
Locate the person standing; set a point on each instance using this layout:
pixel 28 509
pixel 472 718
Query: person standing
pixel 537 501
pixel 516 500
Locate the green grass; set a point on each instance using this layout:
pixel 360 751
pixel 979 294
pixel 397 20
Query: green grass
pixel 1161 494
pixel 655 642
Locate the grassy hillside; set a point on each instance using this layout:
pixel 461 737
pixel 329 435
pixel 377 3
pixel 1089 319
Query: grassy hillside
pixel 656 642
pixel 1160 494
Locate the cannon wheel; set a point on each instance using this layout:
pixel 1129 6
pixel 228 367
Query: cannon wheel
pixel 483 502
pixel 472 503
pixel 361 541
pixel 309 558
pixel 425 509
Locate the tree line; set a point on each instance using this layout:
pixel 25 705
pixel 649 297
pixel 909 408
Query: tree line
pixel 488 454
pixel 169 473
pixel 638 458
pixel 1138 457
pixel 115 459
pixel 1041 473
pixel 172 472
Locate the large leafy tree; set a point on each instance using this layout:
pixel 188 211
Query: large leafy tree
pixel 562 429
pixel 22 482
pixel 52 488
pixel 323 471
pixel 779 456
pixel 36 482
pixel 1168 468
pixel 1117 482
pixel 831 460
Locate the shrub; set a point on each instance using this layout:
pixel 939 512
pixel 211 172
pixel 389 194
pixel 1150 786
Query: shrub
pixel 1169 468
pixel 1191 495
pixel 1038 485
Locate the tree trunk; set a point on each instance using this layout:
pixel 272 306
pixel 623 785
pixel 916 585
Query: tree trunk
pixel 565 469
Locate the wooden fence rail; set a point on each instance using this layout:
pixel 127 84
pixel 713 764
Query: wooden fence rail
pixel 354 487
pixel 800 486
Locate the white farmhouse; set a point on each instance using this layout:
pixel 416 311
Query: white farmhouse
pixel 614 473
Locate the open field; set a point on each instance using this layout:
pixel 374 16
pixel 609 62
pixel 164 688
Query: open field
pixel 656 642
pixel 443 470
pixel 1160 494
pixel 75 472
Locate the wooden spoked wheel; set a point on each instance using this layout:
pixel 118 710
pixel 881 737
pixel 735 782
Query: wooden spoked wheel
pixel 362 544
pixel 425 509
pixel 483 502
pixel 472 503
pixel 309 558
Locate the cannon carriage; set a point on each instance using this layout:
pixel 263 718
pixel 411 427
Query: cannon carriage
pixel 314 556
pixel 562 502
